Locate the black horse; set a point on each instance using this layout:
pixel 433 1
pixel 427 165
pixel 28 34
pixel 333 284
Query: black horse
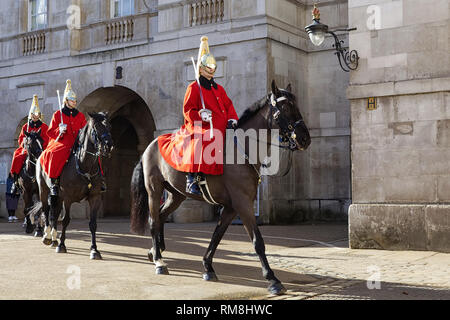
pixel 80 179
pixel 235 190
pixel 33 144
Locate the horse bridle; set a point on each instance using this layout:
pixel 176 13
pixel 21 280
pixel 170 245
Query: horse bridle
pixel 287 127
pixel 33 178
pixel 97 146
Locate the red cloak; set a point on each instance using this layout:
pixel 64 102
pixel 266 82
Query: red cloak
pixel 20 155
pixel 57 153
pixel 190 148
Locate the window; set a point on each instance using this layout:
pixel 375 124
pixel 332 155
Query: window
pixel 121 8
pixel 38 14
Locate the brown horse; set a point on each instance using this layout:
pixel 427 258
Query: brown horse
pixel 235 190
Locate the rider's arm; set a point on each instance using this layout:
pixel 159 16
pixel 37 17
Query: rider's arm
pixel 22 135
pixel 53 130
pixel 44 135
pixel 81 121
pixel 192 104
pixel 231 112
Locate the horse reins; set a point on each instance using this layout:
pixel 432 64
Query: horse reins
pixel 287 135
pixel 87 175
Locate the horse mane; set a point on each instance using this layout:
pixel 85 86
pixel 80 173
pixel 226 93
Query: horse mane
pixel 254 108
pixel 93 117
pixel 252 111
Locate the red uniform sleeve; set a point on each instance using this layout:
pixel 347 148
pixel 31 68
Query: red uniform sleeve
pixel 231 112
pixel 22 135
pixel 44 135
pixel 53 130
pixel 191 105
pixel 81 121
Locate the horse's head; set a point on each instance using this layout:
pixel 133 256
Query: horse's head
pixel 285 113
pixel 33 143
pixel 101 133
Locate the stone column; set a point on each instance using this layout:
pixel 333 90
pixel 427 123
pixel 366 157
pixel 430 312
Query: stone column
pixel 400 145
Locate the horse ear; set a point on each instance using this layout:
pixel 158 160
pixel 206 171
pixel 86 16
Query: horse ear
pixel 275 88
pixel 91 114
pixel 289 88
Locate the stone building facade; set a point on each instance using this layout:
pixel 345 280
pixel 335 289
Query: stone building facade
pixel 400 150
pixel 132 58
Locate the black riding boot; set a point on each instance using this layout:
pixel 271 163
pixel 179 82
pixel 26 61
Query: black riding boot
pixel 54 189
pixel 191 184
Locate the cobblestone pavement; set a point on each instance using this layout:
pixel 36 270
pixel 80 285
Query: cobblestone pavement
pixel 312 261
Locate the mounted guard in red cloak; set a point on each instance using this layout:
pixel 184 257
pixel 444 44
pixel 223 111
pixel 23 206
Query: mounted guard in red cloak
pixel 63 132
pixel 34 123
pixel 193 148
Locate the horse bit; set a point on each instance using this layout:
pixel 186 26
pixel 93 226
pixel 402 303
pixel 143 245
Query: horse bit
pixel 287 133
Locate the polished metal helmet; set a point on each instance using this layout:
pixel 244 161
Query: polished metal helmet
pixel 205 57
pixel 34 109
pixel 69 94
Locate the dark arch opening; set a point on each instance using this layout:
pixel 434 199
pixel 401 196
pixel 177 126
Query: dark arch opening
pixel 132 129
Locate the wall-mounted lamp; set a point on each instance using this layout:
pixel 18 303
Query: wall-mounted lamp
pixel 316 31
pixel 119 73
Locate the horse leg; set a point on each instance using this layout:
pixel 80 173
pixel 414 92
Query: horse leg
pixel 225 219
pixel 172 202
pixel 249 221
pixel 55 210
pixel 38 225
pixel 47 237
pixel 62 245
pixel 95 203
pixel 155 227
pixel 28 201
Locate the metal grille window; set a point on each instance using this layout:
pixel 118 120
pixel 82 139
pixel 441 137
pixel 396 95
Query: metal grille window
pixel 38 14
pixel 121 8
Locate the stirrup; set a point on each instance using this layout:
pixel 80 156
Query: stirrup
pixel 192 184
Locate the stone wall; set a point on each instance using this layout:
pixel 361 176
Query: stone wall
pixel 253 41
pixel 400 167
pixel 318 185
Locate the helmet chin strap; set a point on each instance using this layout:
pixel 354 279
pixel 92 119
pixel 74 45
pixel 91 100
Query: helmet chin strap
pixel 206 74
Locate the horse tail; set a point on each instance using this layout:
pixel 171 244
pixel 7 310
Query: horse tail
pixel 139 201
pixel 34 209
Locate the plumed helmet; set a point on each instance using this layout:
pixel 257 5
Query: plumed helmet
pixel 34 109
pixel 69 94
pixel 205 58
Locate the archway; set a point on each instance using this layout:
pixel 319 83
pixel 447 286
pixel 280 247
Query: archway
pixel 18 131
pixel 132 129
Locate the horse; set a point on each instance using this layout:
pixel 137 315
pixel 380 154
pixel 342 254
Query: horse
pixel 235 190
pixel 33 144
pixel 80 179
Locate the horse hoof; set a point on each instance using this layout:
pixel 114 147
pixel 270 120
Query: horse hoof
pixel 54 244
pixel 277 289
pixel 162 270
pixel 210 276
pixel 61 249
pixel 29 228
pixel 95 255
pixel 150 256
pixel 47 241
pixel 38 234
